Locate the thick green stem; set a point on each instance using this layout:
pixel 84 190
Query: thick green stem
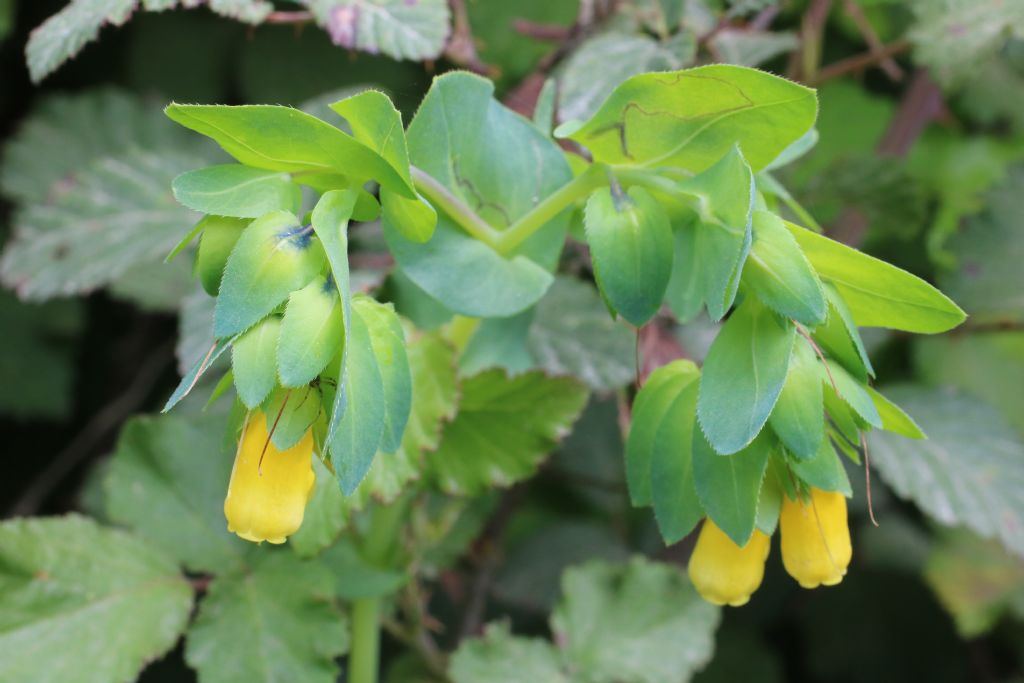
pixel 438 195
pixel 363 660
pixel 565 196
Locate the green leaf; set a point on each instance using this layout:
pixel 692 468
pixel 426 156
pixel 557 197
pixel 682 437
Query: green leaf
pixel 237 190
pixel 970 470
pixel 111 215
pixel 362 424
pixel 202 364
pixel 500 657
pixel 893 418
pixel 572 334
pixel 312 332
pixel 167 480
pixel 254 361
pixel 840 338
pixel 649 410
pixel 63 35
pixel 641 622
pixel 673 494
pixel 220 235
pixel 84 603
pixel 275 622
pixel 388 342
pixel 691 118
pixel 397 28
pixel 824 471
pixel 747 47
pixel 798 418
pixel 779 274
pixel 631 246
pixel 325 517
pixel 729 485
pixel 291 413
pixel 853 393
pixel 744 373
pixel 878 294
pixel 503 429
pixel 602 62
pixel 284 139
pixel 460 120
pixel 723 235
pixel 356 577
pixel 273 257
pixel 685 293
pixel 377 124
pixel 37 350
pixel 775 486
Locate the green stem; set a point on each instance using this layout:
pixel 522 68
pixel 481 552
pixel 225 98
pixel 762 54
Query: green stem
pixel 438 195
pixel 565 196
pixel 362 663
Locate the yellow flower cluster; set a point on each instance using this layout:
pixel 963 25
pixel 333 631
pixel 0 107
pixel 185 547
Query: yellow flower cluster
pixel 269 488
pixel 815 551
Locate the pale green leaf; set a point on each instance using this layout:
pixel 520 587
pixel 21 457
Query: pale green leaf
pixel 779 274
pixel 824 471
pixel 275 622
pixel 291 413
pixel 237 190
pixel 839 337
pixel 798 418
pixel 673 493
pixel 893 418
pixel 728 486
pixel 312 332
pixel 254 361
pixel 219 237
pixel 79 602
pixel 500 657
pixel 388 342
pixel 397 28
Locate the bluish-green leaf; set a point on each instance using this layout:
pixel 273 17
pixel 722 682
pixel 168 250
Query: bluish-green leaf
pixel 824 471
pixel 685 293
pixel 291 413
pixel 388 341
pixel 631 246
pixel 840 338
pixel 878 294
pixel 273 257
pixel 743 376
pixel 673 493
pixel 799 415
pixel 649 409
pixel 193 375
pixel 779 273
pixel 851 391
pixel 729 485
pixel 312 332
pixel 254 361
pixel 237 190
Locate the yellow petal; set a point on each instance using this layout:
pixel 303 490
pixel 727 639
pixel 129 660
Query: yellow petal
pixel 723 572
pixel 266 502
pixel 816 539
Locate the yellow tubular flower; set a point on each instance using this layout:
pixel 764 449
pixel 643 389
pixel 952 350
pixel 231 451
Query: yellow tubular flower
pixel 266 502
pixel 816 539
pixel 724 573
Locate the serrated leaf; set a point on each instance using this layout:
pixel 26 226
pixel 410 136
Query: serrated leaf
pixel 202 364
pixel 631 247
pixel 388 342
pixel 361 428
pixel 840 338
pixel 893 418
pixel 853 393
pixel 503 429
pixel 84 603
pixel 723 234
pixel 254 361
pixel 729 485
pixel 237 190
pixel 743 375
pixel 218 239
pixel 970 470
pixel 167 480
pixel 649 410
pixel 275 622
pixel 397 28
pixel 824 471
pixel 673 493
pixel 641 622
pixel 117 214
pixel 779 273
pixel 273 257
pixel 460 119
pixel 312 332
pixel 878 294
pixel 195 328
pixel 571 334
pixel 703 112
pixel 798 418
pixel 291 413
pixel 500 657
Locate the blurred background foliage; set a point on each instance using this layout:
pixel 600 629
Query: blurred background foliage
pixel 920 161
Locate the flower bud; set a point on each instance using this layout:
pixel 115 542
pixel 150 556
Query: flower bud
pixel 269 488
pixel 815 539
pixel 723 572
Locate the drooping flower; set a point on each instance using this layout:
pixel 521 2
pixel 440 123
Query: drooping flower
pixel 816 546
pixel 269 488
pixel 723 572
